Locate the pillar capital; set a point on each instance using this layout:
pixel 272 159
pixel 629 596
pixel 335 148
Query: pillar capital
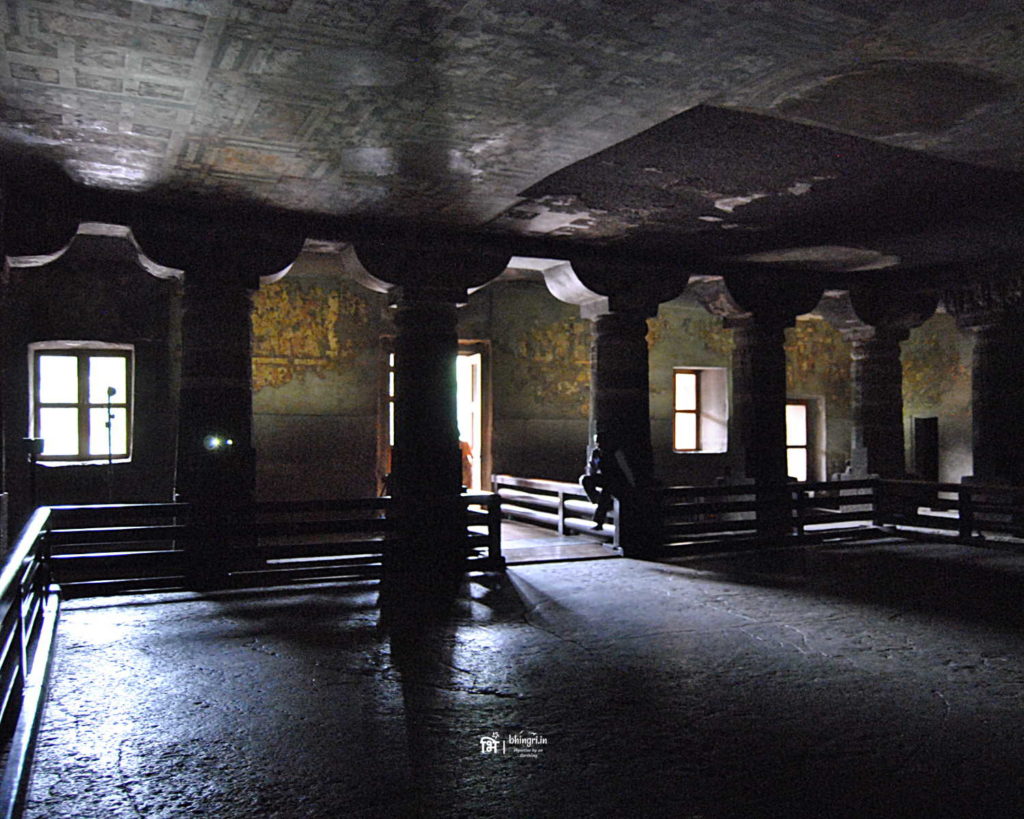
pixel 715 297
pixel 892 309
pixel 862 316
pixel 602 287
pixel 40 216
pixel 771 298
pixel 220 252
pixel 418 263
pixel 988 302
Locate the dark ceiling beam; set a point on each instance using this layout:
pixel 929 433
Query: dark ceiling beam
pixel 43 203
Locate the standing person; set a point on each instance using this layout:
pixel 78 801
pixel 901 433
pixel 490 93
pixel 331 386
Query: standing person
pixel 466 455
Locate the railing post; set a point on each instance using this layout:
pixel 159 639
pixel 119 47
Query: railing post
pixel 965 511
pixel 797 497
pixel 494 530
pixel 561 512
pixel 878 498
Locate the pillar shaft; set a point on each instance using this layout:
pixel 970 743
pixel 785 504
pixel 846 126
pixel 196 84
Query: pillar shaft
pixel 996 395
pixel 877 441
pixel 216 463
pixel 620 405
pixel 759 397
pixel 426 469
pixel 621 422
pixel 426 460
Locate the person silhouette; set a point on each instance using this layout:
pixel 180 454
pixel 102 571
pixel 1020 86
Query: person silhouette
pixel 608 476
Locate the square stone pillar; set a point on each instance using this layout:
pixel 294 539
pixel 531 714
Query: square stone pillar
pixel 621 424
pixel 877 444
pixel 216 462
pixel 426 476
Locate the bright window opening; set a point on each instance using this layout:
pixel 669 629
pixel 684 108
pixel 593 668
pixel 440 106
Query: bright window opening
pixel 82 401
pixel 686 411
pixel 797 441
pixel 700 409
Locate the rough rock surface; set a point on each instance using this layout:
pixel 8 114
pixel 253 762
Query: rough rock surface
pixel 879 680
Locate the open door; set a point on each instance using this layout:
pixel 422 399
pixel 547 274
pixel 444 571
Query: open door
pixel 473 413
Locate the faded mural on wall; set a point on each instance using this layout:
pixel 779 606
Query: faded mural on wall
pixel 937 384
pixel 541 354
pixel 301 329
pixel 818 363
pixel 935 368
pixel 688 336
pixel 554 365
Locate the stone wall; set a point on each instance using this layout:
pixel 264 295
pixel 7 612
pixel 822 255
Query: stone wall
pixel 937 383
pixel 318 374
pixel 317 371
pixel 540 357
pixel 96 291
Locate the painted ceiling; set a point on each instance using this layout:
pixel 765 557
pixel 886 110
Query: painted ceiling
pixel 730 127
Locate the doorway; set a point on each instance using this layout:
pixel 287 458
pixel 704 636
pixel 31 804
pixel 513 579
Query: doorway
pixel 470 410
pixel 473 413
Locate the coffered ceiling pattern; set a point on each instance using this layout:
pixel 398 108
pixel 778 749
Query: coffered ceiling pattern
pixel 447 111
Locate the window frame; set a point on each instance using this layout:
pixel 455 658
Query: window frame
pixel 695 412
pixel 83 352
pixel 808 445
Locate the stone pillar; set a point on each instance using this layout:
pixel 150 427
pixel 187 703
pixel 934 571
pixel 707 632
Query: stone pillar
pixel 620 388
pixel 216 462
pixel 620 414
pixel 426 476
pixel 874 319
pixel 426 277
pixel 759 396
pixel 4 341
pixel 771 302
pixel 876 438
pixel 991 310
pixel 619 295
pixel 997 395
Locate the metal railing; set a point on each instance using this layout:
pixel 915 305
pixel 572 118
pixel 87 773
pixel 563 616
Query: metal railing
pixel 817 511
pixel 30 606
pixel 557 505
pixel 971 513
pixel 107 549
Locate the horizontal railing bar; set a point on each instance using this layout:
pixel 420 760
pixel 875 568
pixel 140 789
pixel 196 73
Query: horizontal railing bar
pixel 676 528
pixel 118 534
pixel 318 527
pixel 837 517
pixel 14 785
pixel 334 505
pixel 277 552
pixel 25 544
pixel 709 507
pixel 539 484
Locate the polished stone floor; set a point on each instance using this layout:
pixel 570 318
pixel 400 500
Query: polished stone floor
pixel 870 680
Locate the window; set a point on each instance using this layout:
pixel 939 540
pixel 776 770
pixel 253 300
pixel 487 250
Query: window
pixel 797 440
pixel 81 394
pixel 700 410
pixel 686 411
